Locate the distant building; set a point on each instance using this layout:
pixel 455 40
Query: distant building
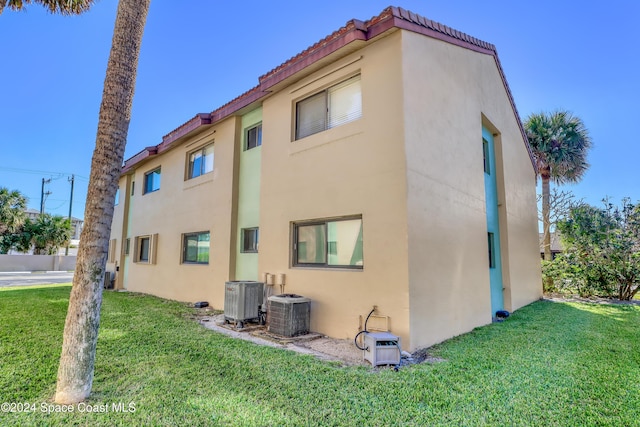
pixel 556 245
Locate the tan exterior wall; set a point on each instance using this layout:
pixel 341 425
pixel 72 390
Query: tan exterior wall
pixel 411 166
pixel 447 91
pixel 353 169
pixel 183 206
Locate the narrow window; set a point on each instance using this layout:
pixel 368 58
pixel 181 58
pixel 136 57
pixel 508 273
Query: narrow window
pixel 117 198
pixel 332 107
pixel 127 244
pixel 144 245
pixel 195 248
pixel 254 137
pixel 485 156
pixel 151 181
pixel 133 187
pixel 200 161
pixel 328 243
pixel 249 240
pixel 491 245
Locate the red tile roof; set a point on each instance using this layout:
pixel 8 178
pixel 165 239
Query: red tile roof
pixel 391 17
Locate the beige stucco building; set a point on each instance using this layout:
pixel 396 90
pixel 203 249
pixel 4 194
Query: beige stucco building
pixel 386 165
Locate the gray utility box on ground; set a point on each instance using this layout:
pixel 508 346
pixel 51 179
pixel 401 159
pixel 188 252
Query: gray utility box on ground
pixel 382 348
pixel 288 315
pixel 242 300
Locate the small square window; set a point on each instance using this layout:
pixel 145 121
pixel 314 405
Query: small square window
pixel 200 161
pixel 253 137
pixel 151 181
pixel 195 248
pixel 249 240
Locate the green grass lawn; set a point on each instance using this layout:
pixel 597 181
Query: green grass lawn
pixel 548 364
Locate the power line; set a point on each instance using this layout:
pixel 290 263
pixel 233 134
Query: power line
pixel 58 175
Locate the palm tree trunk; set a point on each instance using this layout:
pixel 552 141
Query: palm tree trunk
pixel 545 175
pixel 546 221
pixel 75 373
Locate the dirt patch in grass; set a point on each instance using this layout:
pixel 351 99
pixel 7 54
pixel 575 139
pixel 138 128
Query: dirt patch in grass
pixel 423 355
pixel 325 348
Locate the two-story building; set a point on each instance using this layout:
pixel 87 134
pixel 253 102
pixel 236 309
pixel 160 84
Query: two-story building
pixel 385 165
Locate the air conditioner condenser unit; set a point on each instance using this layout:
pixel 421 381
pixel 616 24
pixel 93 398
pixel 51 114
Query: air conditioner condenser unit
pixel 242 300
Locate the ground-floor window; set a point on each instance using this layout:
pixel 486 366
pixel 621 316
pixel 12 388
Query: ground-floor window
pixel 145 249
pixel 250 240
pixel 328 243
pixel 195 247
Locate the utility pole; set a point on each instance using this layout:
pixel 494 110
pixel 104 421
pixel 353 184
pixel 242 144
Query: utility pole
pixel 43 194
pixel 66 251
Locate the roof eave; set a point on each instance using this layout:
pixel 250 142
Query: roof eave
pixel 354 31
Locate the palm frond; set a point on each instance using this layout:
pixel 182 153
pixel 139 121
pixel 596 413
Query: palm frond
pixel 560 142
pixel 61 7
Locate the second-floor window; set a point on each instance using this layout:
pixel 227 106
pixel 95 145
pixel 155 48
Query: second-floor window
pixel 152 181
pixel 200 161
pixel 332 107
pixel 254 137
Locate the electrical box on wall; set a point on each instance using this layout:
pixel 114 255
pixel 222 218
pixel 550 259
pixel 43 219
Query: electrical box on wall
pixel 381 348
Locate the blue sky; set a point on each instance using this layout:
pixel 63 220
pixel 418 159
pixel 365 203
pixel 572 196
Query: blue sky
pixel 579 56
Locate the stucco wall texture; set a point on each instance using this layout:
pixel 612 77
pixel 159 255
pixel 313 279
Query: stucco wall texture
pixel 411 167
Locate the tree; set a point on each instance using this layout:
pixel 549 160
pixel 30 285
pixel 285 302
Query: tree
pixel 12 217
pixel 75 372
pixel 560 204
pixel 602 248
pixel 12 206
pixel 47 233
pixel 63 7
pixel 559 142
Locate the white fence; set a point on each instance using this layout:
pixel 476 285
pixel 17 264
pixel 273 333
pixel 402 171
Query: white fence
pixel 37 263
